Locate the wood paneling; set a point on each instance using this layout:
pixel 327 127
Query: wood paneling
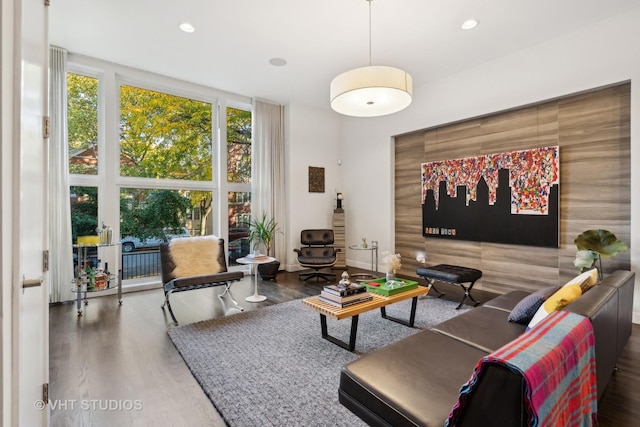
pixel 593 132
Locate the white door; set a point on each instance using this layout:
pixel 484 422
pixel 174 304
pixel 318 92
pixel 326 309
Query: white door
pixel 32 316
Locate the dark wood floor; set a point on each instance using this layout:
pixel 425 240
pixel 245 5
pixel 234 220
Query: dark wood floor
pixel 117 366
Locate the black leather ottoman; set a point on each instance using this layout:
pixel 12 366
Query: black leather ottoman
pixel 451 274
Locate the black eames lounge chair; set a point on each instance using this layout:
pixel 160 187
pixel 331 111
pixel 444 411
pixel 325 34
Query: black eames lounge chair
pixel 317 254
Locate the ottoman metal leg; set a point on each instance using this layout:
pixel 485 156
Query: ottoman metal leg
pixel 452 274
pixel 467 293
pixel 432 286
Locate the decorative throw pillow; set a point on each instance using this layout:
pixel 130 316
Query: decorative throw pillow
pixel 586 280
pixel 195 256
pixel 563 297
pixel 523 311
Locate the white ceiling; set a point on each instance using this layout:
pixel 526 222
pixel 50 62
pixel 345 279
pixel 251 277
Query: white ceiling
pixel 235 39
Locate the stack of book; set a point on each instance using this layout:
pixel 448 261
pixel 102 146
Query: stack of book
pixel 342 297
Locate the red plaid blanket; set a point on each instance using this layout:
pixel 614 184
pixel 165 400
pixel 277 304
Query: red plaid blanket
pixel 557 360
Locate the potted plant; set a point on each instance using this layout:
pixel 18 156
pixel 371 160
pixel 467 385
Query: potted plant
pixel 593 245
pixel 262 232
pixel 393 263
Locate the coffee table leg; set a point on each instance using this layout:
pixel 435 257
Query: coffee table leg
pixel 412 315
pixel 352 337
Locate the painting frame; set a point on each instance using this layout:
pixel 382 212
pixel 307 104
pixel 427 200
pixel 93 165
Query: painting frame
pixel 510 197
pixel 316 179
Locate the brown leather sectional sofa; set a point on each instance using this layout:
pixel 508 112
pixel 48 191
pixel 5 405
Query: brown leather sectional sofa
pixel 415 381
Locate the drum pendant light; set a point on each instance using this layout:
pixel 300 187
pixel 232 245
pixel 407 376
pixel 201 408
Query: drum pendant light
pixel 371 91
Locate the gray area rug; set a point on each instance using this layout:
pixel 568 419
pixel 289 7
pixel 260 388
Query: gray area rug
pixel 271 367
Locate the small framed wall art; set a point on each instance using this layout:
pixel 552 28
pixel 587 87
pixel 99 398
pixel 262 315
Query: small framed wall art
pixel 316 180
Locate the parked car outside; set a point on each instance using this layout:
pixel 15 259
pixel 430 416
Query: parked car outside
pixel 171 234
pixel 238 233
pixel 130 243
pixel 237 249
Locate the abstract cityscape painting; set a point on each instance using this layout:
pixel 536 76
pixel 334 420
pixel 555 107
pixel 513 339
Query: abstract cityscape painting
pixel 502 198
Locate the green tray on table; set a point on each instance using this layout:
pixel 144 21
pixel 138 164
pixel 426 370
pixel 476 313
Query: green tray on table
pixel 386 289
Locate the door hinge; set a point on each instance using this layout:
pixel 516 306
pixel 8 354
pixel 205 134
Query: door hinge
pixel 45 260
pixel 46 126
pixel 45 393
pixel 47 2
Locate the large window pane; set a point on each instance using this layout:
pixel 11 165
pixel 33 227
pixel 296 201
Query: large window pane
pixel 164 136
pixel 238 146
pixel 84 211
pixel 149 217
pixel 84 219
pixel 82 122
pixel 239 218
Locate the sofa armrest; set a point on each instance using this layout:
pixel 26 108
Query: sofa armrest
pixel 496 400
pixel 600 305
pixel 624 282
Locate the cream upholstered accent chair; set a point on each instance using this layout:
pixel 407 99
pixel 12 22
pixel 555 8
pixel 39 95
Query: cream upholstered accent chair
pixel 195 263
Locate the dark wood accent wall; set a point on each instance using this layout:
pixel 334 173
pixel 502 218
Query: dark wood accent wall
pixel 593 132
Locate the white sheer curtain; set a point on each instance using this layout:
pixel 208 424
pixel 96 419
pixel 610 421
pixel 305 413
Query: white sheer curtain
pixel 60 249
pixel 267 188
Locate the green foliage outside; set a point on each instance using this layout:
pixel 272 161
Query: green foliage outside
pixel 143 213
pixel 147 213
pixel 84 212
pixel 238 146
pixel 162 136
pixel 82 127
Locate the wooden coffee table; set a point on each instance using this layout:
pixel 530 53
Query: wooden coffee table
pixel 354 311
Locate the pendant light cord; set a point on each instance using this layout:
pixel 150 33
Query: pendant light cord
pixel 369 1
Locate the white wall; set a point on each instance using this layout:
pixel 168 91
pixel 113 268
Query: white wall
pixel 7 135
pixel 313 139
pixel 598 55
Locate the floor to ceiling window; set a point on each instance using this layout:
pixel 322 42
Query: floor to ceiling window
pixel 238 181
pixel 148 149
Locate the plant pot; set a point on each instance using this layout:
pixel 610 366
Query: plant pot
pixel 269 270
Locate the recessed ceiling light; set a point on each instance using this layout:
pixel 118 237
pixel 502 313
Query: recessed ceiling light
pixel 469 24
pixel 278 62
pixel 187 28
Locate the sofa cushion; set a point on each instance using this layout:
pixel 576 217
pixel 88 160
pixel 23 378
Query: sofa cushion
pixel 506 302
pixel 560 299
pixel 523 311
pixel 414 381
pixel 484 328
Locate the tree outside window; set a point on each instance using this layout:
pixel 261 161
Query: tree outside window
pixel 164 140
pixel 82 124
